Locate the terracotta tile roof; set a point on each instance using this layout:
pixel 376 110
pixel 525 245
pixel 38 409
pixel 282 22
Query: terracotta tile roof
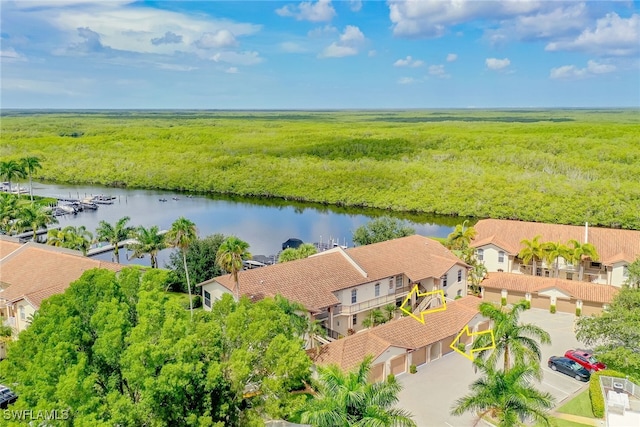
pixel 37 271
pixel 8 245
pixel 584 291
pixel 313 280
pixel 612 244
pixel 406 333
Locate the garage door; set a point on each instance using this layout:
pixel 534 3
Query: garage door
pixel 446 344
pixel 419 356
pixel 565 305
pixel 483 326
pixel 492 295
pixel 434 352
pixel 514 297
pixel 398 365
pixel 540 302
pixel 376 374
pixel 589 308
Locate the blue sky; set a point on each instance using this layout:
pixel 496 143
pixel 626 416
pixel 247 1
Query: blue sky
pixel 319 54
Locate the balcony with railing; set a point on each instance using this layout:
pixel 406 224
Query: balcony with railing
pixel 370 304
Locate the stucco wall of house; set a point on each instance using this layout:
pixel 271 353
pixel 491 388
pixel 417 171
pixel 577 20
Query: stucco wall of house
pixel 23 307
pixel 491 258
pixel 216 290
pixel 617 274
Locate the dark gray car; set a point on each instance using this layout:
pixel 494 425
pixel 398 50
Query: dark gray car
pixel 569 367
pixel 7 397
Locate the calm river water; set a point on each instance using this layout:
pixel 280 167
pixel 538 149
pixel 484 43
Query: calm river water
pixel 264 224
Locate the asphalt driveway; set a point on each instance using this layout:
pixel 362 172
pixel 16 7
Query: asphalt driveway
pixel 432 391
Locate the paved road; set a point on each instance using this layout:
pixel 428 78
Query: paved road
pixel 430 393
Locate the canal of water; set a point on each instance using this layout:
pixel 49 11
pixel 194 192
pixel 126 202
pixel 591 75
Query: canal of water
pixel 264 223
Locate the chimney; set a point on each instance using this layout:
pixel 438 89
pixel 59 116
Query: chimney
pixel 586 232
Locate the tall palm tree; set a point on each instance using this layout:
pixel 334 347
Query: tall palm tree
pixel 314 330
pixel 30 164
pixel 461 236
pixel 520 342
pixel 551 252
pixel 9 207
pixel 374 318
pixel 581 251
pixel 507 397
pixel 390 310
pixel 230 256
pixel 181 235
pixel 31 217
pixel 11 169
pixel 350 400
pixel 148 241
pixel 114 234
pixel 532 251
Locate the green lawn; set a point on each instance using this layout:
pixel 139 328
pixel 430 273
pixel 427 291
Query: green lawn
pixel 579 405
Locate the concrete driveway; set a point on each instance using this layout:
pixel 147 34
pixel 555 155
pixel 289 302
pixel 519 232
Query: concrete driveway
pixel 432 391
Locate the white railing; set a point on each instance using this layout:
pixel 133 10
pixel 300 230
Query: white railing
pixel 372 303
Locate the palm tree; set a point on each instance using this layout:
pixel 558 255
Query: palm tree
pixel 148 241
pixel 30 164
pixel 314 330
pixel 461 236
pixel 513 340
pixel 350 400
pixel 374 318
pixel 507 397
pixel 551 252
pixel 70 237
pixel 581 251
pixel 181 235
pixel 11 169
pixel 476 275
pixel 33 217
pixel 114 234
pixel 532 251
pixel 9 208
pixel 390 310
pixel 230 256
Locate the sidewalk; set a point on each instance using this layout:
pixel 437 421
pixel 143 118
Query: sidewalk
pixel 578 419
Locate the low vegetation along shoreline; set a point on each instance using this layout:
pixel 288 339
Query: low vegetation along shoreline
pixel 560 166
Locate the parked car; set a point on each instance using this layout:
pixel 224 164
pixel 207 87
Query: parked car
pixel 7 397
pixel 568 367
pixel 585 359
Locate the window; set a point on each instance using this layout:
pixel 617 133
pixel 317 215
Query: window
pixel 444 281
pixel 480 254
pixel 398 281
pixel 569 276
pixel 459 275
pixel 501 257
pixel 391 283
pixel 22 314
pixel 399 302
pixel 355 319
pixel 377 288
pixel 596 264
pixel 625 271
pixel 207 299
pixel 459 293
pixel 354 296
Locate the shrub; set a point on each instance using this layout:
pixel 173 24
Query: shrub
pixel 595 392
pixel 527 304
pixel 351 331
pixel 503 301
pixel 462 347
pixel 552 309
pixel 197 301
pixel 413 369
pixel 391 378
pixel 578 311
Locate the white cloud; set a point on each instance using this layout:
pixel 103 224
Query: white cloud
pixel 168 38
pixel 334 50
pixel 174 67
pixel 10 55
pixel 430 18
pixel 355 5
pixel 438 71
pixel 573 72
pixel 291 47
pixel 497 64
pixel 612 36
pixel 407 80
pixel 320 11
pixel 322 31
pixel 239 58
pixel 408 62
pixel 452 57
pixel 231 70
pixel 348 45
pixel 219 39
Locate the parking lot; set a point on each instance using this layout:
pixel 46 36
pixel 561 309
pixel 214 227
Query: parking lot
pixel 432 391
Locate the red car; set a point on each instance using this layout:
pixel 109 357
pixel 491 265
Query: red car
pixel 585 359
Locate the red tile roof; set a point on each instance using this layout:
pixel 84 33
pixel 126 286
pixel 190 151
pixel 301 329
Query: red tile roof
pixel 36 271
pixel 312 281
pixel 406 333
pixel 584 291
pixel 612 244
pixel 8 245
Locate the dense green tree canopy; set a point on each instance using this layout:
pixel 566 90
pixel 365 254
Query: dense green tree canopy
pixel 616 332
pixel 303 251
pixel 201 260
pixel 380 230
pixel 116 351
